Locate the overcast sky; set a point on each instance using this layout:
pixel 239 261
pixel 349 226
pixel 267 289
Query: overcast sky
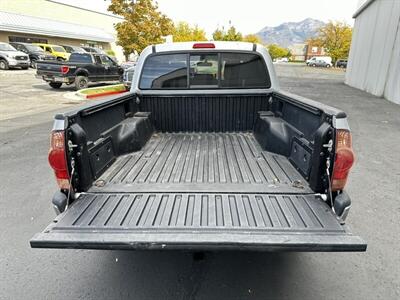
pixel 248 16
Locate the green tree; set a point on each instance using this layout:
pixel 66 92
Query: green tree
pixel 230 35
pixel 233 35
pixel 183 32
pixel 218 34
pixel 143 24
pixel 335 37
pixel 252 38
pixel 277 52
pixel 315 42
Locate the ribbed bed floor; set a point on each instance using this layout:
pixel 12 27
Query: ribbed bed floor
pixel 202 161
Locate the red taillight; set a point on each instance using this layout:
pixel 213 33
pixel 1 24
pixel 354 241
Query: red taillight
pixel 64 69
pixel 344 159
pixel 203 46
pixel 58 160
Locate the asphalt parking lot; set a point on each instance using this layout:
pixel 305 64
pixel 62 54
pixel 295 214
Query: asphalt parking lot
pixel 21 94
pixel 27 185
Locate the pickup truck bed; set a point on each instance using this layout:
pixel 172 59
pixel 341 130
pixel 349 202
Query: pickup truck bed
pixel 205 153
pixel 202 191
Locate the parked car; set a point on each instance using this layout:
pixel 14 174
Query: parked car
pixel 81 69
pixel 202 161
pixel 313 60
pixel 128 64
pixel 128 76
pixel 55 50
pixel 94 50
pixel 99 51
pixel 35 52
pixel 341 63
pixel 282 60
pixel 72 49
pixel 320 63
pixel 12 58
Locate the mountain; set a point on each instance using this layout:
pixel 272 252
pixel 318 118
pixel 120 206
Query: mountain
pixel 290 33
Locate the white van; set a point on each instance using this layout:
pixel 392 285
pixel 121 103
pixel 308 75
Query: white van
pixel 314 59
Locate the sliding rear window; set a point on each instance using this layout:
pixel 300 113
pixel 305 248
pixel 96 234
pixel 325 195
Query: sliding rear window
pixel 205 70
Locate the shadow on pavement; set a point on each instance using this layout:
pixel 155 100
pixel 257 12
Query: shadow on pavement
pixel 184 275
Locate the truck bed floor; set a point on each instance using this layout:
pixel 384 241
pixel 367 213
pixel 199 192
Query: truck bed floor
pixel 200 162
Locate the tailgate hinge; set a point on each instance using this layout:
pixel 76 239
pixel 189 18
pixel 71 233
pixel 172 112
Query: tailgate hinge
pixel 71 146
pixel 329 146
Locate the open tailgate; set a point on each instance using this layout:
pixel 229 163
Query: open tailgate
pixel 199 221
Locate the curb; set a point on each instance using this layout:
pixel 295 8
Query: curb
pixel 96 95
pixel 103 94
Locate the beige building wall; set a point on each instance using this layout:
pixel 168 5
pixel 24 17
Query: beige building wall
pixel 4 37
pixel 65 13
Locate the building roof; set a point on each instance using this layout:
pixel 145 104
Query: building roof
pixel 33 25
pixel 60 2
pixel 362 7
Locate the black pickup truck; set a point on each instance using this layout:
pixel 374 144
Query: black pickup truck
pixel 80 69
pixel 205 153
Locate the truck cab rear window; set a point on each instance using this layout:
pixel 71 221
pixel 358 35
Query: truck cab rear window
pixel 243 70
pixel 227 70
pixel 203 71
pixel 165 72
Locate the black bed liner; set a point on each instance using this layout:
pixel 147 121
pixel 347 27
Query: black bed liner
pixel 200 191
pixel 217 162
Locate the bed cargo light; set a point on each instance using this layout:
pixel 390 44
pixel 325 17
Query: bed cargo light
pixel 57 159
pixel 344 159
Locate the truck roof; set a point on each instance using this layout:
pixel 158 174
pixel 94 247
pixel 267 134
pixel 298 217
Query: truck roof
pixel 182 46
